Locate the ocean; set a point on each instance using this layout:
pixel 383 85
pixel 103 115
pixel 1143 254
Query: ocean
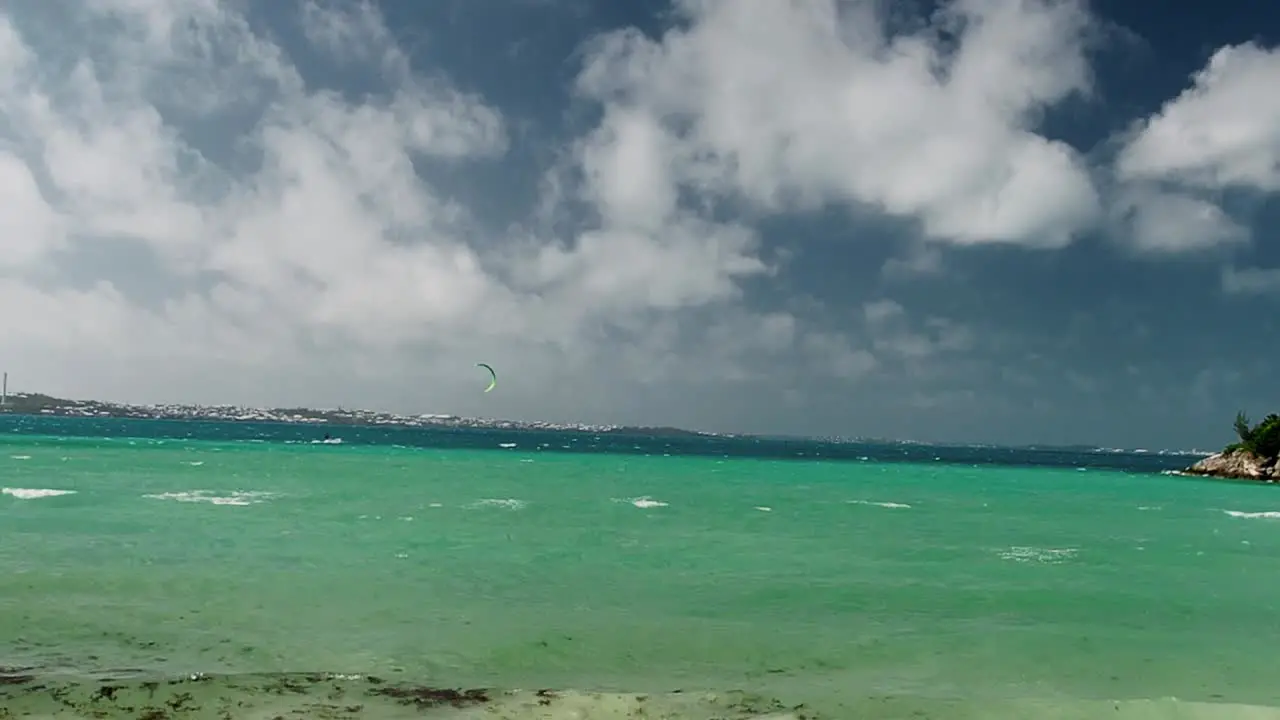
pixel 161 570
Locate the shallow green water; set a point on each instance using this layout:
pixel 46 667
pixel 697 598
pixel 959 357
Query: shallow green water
pixel 832 582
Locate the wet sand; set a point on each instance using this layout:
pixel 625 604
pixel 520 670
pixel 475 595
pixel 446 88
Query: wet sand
pixel 325 696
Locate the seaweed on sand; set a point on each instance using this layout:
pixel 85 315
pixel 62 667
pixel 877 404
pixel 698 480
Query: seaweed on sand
pixel 429 697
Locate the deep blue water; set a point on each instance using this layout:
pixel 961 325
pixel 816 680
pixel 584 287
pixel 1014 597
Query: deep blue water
pixel 582 442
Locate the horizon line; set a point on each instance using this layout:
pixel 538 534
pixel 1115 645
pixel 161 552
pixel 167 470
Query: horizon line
pixel 576 426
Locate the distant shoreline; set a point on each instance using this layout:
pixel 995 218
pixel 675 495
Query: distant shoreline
pixel 49 406
pixel 38 404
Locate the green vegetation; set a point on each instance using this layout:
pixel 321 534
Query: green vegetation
pixel 31 403
pixel 1262 439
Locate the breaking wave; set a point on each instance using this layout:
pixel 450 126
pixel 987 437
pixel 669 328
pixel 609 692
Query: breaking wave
pixel 208 496
pixel 34 493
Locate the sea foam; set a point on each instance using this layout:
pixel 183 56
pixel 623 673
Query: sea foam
pixel 208 496
pixel 879 504
pixel 34 493
pixel 1267 514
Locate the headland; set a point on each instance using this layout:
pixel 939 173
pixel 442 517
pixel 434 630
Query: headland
pixel 1256 456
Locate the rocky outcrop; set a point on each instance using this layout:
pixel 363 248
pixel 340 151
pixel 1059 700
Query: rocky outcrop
pixel 1237 464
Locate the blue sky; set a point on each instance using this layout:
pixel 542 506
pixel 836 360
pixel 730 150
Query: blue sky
pixel 975 221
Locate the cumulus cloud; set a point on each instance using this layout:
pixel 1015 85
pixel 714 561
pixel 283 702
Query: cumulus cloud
pixel 1221 134
pixel 283 227
pixel 196 209
pixel 788 106
pixel 1223 131
pixel 1171 222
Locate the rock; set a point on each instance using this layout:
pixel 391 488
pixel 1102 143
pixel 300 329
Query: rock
pixel 1237 464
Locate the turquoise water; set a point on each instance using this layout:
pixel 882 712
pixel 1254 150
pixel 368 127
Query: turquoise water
pixel 859 588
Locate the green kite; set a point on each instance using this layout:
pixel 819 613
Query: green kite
pixel 493 382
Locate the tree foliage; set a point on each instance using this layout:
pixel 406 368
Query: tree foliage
pixel 1262 439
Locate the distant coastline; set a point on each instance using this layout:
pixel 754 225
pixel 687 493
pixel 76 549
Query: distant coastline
pixel 49 406
pixel 39 404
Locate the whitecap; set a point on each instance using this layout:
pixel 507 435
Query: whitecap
pixel 506 503
pixel 1049 556
pixel 240 498
pixel 506 445
pixel 643 502
pixel 195 463
pixel 19 457
pixel 1268 514
pixel 879 504
pixel 764 508
pixel 34 493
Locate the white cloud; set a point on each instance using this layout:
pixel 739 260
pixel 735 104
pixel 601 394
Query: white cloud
pixel 1220 134
pixel 29 225
pixel 1223 131
pixel 301 242
pixel 791 105
pixel 351 32
pixel 290 225
pixel 1161 221
pixel 627 167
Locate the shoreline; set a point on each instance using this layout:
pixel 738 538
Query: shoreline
pixel 39 405
pixel 1235 464
pixel 339 695
pixel 332 696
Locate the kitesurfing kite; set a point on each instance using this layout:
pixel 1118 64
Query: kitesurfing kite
pixel 493 382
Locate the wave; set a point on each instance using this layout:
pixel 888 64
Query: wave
pixel 1267 514
pixel 1048 556
pixel 895 505
pixel 505 503
pixel 208 496
pixel 644 502
pixel 34 493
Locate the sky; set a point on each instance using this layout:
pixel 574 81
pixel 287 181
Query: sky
pixel 1007 221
